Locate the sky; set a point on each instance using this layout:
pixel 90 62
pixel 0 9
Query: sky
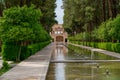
pixel 59 12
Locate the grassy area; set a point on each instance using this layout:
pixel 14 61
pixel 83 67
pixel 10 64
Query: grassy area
pixel 7 66
pixel 2 70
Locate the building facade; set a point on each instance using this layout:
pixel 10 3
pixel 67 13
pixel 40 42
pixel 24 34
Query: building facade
pixel 58 33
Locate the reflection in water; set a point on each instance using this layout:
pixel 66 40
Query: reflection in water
pixel 60 71
pixel 82 71
pixel 59 54
pixel 84 54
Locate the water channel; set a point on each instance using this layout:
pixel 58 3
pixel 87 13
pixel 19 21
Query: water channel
pixel 82 71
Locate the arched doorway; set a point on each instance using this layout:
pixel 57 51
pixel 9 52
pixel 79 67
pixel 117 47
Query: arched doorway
pixel 58 34
pixel 59 39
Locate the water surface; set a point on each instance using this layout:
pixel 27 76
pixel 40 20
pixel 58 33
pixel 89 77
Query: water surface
pixel 82 71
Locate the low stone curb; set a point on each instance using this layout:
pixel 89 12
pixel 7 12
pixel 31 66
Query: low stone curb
pixel 114 54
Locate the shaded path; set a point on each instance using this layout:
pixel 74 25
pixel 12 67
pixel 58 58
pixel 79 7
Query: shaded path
pixel 33 68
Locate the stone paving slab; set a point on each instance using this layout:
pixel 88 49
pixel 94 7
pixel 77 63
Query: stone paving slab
pixel 0 64
pixel 83 61
pixel 114 54
pixel 33 68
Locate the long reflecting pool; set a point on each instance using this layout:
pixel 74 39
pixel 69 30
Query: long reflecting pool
pixel 82 71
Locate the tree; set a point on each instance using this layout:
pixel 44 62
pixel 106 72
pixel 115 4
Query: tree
pixel 79 13
pixel 48 18
pixel 115 29
pixel 2 6
pixel 47 8
pixel 21 24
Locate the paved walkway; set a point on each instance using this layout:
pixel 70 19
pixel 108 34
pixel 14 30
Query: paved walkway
pixel 0 62
pixel 114 54
pixel 33 68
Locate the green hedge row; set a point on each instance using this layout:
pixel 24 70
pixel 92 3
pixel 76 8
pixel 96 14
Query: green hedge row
pixel 115 47
pixel 10 52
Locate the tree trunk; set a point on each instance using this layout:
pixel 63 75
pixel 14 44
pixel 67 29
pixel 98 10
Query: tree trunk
pixel 19 53
pixel 103 10
pixel 0 12
pixel 21 3
pixel 115 6
pixel 110 8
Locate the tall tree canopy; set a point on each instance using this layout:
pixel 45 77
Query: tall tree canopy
pixel 21 24
pixel 47 7
pixel 85 15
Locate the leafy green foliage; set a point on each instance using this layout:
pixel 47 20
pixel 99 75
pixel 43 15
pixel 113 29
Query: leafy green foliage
pixel 5 65
pixel 46 6
pixel 107 32
pixel 103 30
pixel 20 24
pixel 48 10
pixel 115 28
pixel 78 13
pixel 32 49
pixel 11 51
pixel 86 15
pixel 110 30
pixel 115 47
pixel 80 37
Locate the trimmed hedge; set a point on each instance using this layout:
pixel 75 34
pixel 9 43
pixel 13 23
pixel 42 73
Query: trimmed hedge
pixel 10 52
pixel 115 47
pixel 32 49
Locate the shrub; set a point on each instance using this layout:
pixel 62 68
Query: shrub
pixel 20 24
pixel 5 65
pixel 10 52
pixel 115 47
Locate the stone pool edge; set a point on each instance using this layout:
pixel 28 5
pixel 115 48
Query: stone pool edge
pixel 114 54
